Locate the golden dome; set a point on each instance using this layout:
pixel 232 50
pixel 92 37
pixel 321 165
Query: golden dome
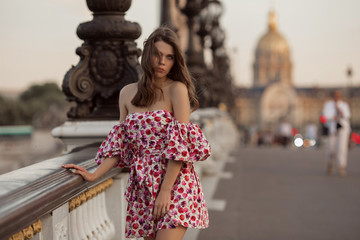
pixel 272 41
pixel 272 57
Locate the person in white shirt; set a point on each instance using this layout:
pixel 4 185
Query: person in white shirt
pixel 337 114
pixel 284 132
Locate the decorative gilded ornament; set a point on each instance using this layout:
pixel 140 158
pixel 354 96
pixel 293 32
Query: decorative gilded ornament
pixel 92 192
pixel 108 182
pixel 72 204
pixel 82 198
pixel 88 195
pixel 28 232
pixel 37 226
pixel 98 189
pixel 18 236
pixel 77 201
pixel 102 187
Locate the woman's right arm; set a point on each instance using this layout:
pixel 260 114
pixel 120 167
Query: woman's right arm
pixel 108 163
pixel 104 167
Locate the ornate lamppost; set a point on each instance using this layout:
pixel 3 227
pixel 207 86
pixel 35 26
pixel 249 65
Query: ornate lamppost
pixel 204 30
pixel 221 62
pixel 108 61
pixel 194 54
pixel 218 77
pixel 215 9
pixel 191 10
pixel 165 15
pixel 349 73
pixel 213 85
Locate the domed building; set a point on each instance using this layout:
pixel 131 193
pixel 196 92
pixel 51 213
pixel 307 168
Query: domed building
pixel 272 57
pixel 272 95
pixel 272 72
pixel 273 98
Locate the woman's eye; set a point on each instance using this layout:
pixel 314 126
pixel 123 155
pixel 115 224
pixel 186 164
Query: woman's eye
pixel 170 57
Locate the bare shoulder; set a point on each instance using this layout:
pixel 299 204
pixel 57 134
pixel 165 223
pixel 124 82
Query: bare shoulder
pixel 129 89
pixel 180 101
pixel 127 93
pixel 178 87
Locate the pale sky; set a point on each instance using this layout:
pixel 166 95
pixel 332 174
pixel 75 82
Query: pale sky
pixel 38 37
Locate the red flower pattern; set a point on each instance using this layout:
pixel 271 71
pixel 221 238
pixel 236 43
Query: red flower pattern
pixel 145 147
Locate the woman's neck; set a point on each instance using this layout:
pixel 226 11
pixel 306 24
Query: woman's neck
pixel 162 82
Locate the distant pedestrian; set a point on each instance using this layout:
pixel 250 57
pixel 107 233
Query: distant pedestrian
pixel 337 115
pixel 284 133
pixel 311 131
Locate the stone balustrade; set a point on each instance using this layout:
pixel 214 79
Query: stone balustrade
pixel 44 201
pixel 88 214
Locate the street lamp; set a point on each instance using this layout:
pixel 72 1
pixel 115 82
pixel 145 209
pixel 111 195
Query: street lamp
pixel 108 61
pixel 165 16
pixel 192 9
pixel 215 9
pixel 217 34
pixel 349 73
pixel 209 18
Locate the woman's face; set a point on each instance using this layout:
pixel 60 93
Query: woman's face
pixel 164 60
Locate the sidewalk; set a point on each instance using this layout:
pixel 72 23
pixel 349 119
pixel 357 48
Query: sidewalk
pixel 283 194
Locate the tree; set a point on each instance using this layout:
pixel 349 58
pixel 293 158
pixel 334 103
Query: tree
pixel 34 101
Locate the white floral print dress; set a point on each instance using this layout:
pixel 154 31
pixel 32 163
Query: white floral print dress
pixel 145 141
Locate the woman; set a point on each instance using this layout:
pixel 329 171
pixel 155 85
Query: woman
pixel 158 143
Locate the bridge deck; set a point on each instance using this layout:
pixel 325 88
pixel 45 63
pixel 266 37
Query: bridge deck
pixel 285 194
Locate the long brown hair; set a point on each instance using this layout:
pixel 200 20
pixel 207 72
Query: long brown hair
pixel 147 89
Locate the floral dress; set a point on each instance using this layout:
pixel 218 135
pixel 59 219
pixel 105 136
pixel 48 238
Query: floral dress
pixel 145 141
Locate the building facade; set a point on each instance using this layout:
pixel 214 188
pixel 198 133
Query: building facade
pixel 274 98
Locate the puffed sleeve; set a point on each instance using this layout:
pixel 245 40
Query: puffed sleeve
pixel 115 144
pixel 186 142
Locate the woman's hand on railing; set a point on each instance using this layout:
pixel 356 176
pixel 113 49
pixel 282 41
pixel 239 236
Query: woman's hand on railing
pixel 88 176
pixel 105 166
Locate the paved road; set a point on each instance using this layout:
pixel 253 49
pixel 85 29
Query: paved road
pixel 282 194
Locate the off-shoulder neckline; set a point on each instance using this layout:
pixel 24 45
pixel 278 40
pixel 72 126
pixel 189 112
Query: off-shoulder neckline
pixel 150 112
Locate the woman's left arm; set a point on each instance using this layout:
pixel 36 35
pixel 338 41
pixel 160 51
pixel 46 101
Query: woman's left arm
pixel 181 107
pixel 162 202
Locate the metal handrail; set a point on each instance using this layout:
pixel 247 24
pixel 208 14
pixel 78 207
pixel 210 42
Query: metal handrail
pixel 31 192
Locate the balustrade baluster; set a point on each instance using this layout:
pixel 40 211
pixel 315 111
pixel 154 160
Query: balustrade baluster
pixel 108 223
pixel 105 229
pixel 74 234
pixel 80 223
pixel 87 221
pixel 99 226
pixel 94 219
